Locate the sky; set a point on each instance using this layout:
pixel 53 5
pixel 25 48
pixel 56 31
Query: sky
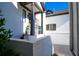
pixel 56 6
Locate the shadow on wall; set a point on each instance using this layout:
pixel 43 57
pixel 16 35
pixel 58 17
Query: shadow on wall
pixel 12 12
pixel 62 20
pixel 13 17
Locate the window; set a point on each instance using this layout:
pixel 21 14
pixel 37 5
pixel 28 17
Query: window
pixel 47 27
pixel 51 27
pixel 54 26
pixel 39 30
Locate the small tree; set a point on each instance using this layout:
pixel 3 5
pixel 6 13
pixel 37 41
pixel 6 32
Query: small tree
pixel 5 36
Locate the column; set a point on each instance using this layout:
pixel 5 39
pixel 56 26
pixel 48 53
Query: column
pixel 33 20
pixel 41 22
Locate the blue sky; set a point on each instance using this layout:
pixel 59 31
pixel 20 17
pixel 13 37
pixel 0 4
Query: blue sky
pixel 56 6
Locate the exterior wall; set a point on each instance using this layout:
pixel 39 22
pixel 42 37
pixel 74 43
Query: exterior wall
pixel 38 22
pixel 35 47
pixel 62 33
pixel 38 17
pixel 43 47
pixel 12 12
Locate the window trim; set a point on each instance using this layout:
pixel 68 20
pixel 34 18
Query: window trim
pixel 50 27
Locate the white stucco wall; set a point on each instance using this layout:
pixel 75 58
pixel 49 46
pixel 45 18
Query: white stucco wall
pixel 61 35
pixel 38 17
pixel 35 47
pixel 12 12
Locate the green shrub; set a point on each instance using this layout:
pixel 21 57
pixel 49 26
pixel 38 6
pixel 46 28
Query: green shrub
pixel 5 36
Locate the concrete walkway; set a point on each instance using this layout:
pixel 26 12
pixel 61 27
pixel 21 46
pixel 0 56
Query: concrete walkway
pixel 62 50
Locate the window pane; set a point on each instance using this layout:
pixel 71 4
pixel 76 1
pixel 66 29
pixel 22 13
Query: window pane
pixel 47 27
pixel 54 26
pixel 39 30
pixel 51 26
